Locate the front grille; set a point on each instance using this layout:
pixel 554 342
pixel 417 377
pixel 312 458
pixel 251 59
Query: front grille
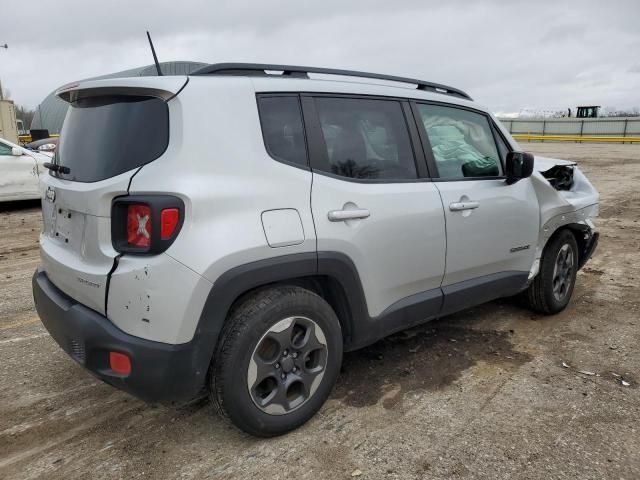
pixel 77 350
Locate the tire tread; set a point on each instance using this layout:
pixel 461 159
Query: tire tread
pixel 538 293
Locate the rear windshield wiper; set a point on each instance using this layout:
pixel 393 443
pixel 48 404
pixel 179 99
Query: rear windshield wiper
pixel 54 167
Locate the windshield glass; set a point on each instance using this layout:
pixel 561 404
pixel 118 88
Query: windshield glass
pixel 108 135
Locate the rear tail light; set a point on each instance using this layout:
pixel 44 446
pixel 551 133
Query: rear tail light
pixel 169 218
pixel 139 225
pixel 145 224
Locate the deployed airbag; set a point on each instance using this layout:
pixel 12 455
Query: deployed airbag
pixel 454 154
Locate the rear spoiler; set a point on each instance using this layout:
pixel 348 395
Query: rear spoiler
pixel 162 87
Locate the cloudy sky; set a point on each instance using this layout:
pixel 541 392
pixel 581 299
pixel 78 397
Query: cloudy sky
pixel 509 55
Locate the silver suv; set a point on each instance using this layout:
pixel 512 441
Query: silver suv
pixel 236 230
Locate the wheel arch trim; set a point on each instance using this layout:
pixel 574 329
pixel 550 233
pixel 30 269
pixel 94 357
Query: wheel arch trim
pixel 577 221
pixel 239 280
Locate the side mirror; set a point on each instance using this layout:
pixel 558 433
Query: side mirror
pixel 519 166
pixel 16 152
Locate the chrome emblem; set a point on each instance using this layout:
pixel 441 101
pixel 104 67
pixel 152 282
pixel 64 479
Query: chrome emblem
pixel 51 194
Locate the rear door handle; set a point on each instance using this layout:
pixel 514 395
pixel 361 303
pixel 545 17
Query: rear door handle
pixel 342 215
pixel 460 206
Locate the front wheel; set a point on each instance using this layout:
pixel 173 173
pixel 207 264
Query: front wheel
pixel 278 359
pixel 552 288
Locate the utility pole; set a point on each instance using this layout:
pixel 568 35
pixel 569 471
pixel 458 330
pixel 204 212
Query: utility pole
pixel 5 46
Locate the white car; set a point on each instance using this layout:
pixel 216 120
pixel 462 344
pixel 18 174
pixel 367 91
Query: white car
pixel 20 171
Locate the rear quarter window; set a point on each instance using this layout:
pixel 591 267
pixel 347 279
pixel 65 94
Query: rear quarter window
pixel 282 128
pixel 108 135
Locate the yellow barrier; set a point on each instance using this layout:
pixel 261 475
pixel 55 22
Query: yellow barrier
pixel 27 138
pixel 575 138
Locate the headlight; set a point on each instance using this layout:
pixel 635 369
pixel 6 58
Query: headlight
pixel 47 147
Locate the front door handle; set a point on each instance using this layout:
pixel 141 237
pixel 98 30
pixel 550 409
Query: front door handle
pixel 342 215
pixel 460 206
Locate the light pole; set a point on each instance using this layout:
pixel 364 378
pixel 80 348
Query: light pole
pixel 5 46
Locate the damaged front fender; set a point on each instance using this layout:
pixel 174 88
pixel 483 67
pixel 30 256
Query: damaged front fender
pixel 566 199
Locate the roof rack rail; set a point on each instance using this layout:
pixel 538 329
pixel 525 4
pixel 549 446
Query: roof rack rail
pixel 260 69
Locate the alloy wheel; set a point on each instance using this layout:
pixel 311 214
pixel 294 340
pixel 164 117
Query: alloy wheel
pixel 287 365
pixel 563 272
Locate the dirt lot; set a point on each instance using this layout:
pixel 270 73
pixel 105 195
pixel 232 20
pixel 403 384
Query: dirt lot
pixel 482 394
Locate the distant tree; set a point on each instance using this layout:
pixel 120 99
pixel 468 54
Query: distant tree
pixel 621 112
pixel 25 114
pixel 635 112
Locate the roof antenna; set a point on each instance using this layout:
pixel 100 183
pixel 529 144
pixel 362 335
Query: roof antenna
pixel 155 58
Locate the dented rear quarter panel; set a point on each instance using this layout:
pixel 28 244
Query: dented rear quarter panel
pixel 156 298
pixel 217 164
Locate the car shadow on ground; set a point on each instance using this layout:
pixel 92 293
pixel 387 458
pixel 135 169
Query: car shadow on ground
pixel 428 357
pixel 17 205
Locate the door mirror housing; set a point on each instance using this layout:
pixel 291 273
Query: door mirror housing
pixel 16 151
pixel 519 166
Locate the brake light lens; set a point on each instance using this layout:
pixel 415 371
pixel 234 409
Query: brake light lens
pixel 169 219
pixel 139 225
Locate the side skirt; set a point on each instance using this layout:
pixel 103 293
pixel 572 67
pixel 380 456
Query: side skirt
pixel 438 302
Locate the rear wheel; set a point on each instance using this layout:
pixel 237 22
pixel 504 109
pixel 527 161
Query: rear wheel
pixel 279 357
pixel 552 288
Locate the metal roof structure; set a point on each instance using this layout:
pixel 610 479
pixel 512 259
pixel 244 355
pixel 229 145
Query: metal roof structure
pixel 51 111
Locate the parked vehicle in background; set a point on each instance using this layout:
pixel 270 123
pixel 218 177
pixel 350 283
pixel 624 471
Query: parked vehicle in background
pixel 46 145
pixel 325 215
pixel 20 127
pixel 20 170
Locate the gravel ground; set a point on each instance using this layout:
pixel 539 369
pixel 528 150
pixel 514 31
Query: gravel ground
pixel 481 394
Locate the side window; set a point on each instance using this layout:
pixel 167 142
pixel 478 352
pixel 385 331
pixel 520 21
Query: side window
pixel 282 128
pixel 366 139
pixel 5 149
pixel 462 142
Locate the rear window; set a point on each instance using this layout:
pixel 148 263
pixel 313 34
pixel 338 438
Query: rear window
pixel 105 136
pixel 366 139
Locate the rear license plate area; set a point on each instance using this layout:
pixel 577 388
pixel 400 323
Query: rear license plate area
pixel 63 225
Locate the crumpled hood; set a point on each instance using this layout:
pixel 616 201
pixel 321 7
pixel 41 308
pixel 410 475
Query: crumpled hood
pixel 542 164
pixel 581 195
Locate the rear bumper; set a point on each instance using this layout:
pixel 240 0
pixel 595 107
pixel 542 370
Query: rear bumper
pixel 160 372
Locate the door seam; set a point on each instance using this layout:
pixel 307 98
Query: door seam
pixel 446 235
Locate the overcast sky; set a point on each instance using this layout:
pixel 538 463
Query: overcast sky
pixel 508 55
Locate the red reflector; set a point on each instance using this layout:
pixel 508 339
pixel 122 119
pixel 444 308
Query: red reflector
pixel 139 225
pixel 119 363
pixel 168 222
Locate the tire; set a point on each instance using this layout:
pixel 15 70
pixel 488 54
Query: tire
pixel 552 288
pixel 263 389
